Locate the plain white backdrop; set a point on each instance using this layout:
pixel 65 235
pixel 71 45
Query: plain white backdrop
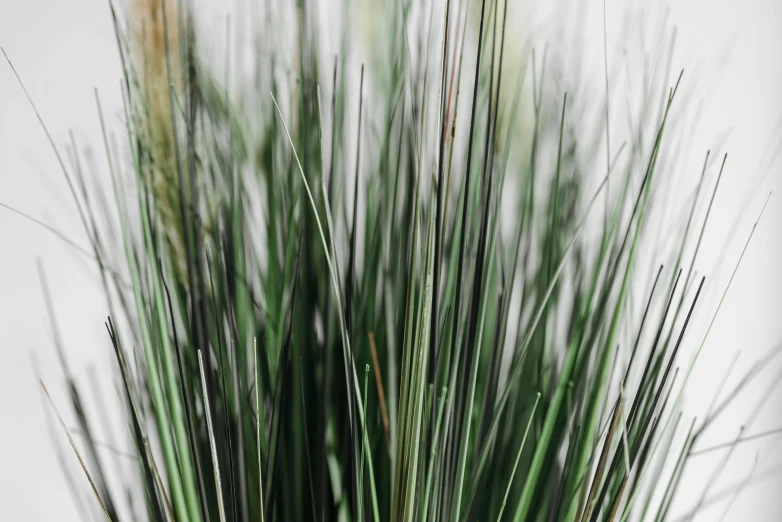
pixel 64 49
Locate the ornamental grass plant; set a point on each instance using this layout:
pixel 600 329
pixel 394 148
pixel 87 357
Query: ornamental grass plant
pixel 420 279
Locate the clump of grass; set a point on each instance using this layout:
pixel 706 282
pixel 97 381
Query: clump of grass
pixel 411 293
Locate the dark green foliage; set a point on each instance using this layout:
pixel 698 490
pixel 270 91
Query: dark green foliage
pixel 350 332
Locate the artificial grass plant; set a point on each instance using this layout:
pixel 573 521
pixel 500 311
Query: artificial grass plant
pixel 423 288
